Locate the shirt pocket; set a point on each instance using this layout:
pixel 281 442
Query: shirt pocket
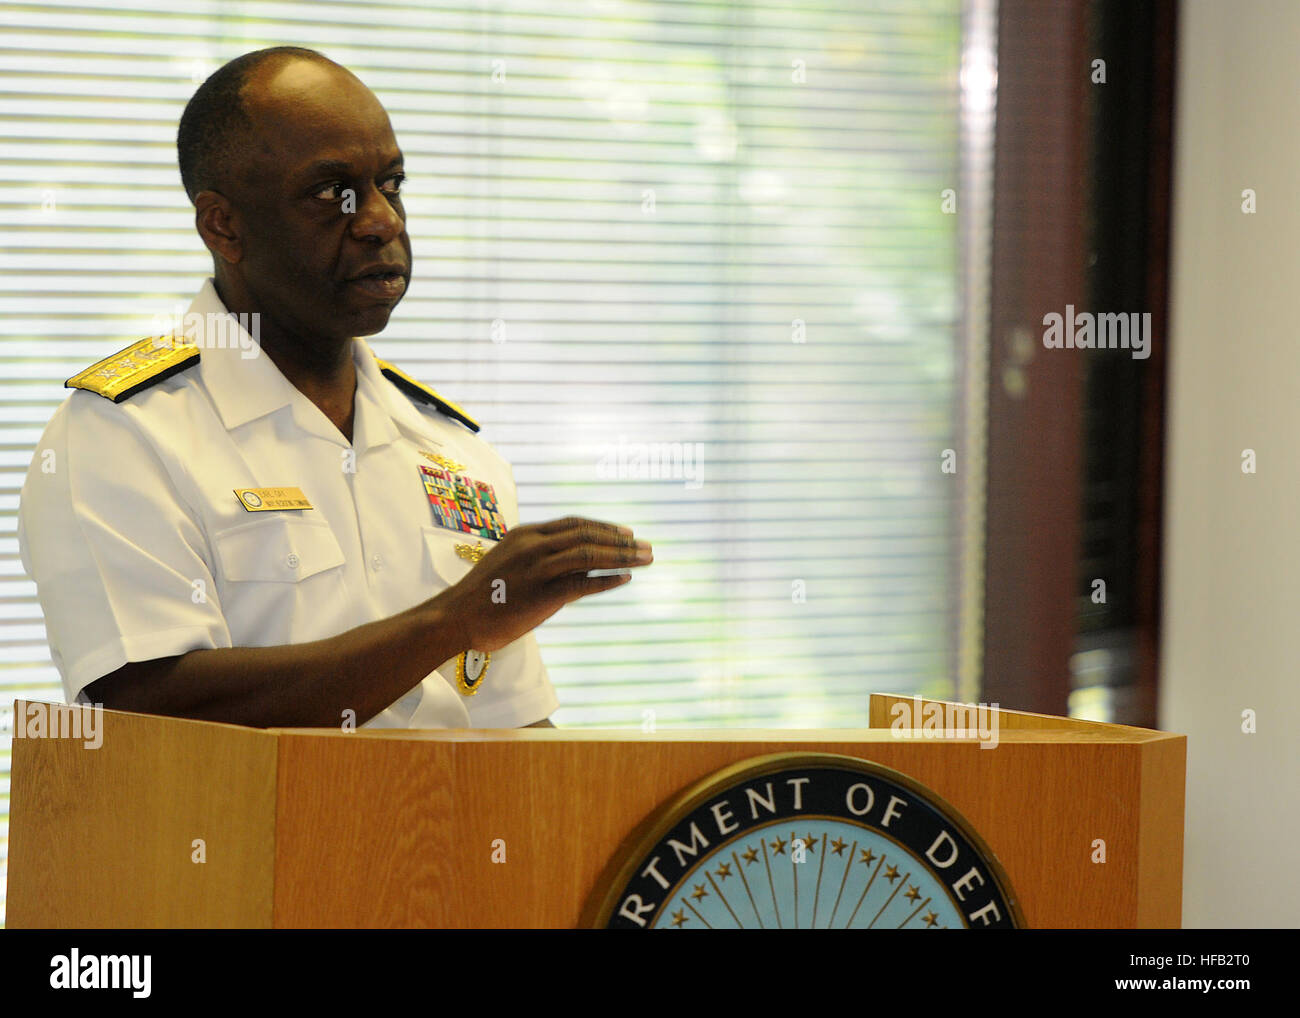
pixel 442 565
pixel 278 549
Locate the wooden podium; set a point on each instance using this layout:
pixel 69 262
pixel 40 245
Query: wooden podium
pixel 172 823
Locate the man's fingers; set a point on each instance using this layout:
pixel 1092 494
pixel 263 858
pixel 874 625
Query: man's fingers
pixel 585 557
pixel 592 535
pixel 576 585
pixel 578 528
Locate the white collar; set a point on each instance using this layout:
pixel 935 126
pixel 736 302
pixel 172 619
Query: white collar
pixel 244 384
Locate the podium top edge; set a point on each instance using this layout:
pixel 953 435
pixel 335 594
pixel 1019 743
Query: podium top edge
pixel 997 727
pixel 764 736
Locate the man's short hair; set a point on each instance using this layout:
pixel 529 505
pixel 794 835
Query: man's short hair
pixel 215 117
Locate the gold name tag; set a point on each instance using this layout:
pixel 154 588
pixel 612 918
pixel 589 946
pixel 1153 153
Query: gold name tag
pixel 260 500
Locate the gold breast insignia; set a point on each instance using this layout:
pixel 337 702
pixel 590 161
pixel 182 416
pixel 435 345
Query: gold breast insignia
pixel 443 461
pixel 471 552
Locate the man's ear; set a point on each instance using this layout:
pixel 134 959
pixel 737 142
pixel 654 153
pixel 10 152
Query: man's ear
pixel 218 224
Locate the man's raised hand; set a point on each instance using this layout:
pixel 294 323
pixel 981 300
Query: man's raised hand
pixel 536 570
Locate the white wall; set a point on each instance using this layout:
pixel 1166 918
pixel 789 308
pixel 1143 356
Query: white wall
pixel 1232 551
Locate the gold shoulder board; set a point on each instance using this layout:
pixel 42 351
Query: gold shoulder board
pixel 123 374
pixel 424 394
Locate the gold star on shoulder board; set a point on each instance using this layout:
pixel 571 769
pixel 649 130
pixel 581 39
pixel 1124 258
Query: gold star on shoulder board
pixel 839 844
pixel 699 892
pixel 723 871
pixel 891 873
pixel 750 856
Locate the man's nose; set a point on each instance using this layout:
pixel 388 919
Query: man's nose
pixel 376 217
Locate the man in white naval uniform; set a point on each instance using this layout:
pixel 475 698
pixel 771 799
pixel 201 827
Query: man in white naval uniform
pixel 288 531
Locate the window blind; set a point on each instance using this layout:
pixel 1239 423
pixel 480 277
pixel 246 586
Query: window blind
pixel 688 263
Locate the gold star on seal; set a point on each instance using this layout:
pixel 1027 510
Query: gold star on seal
pixel 867 856
pixel 750 856
pixel 699 892
pixel 891 873
pixel 912 894
pixel 809 842
pixel 778 846
pixel 931 918
pixel 839 844
pixel 723 871
pixel 679 917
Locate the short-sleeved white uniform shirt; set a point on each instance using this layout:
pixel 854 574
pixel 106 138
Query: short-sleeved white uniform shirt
pixel 140 549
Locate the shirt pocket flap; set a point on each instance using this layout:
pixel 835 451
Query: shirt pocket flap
pixel 441 559
pixel 279 549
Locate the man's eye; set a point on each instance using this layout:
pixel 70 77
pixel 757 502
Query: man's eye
pixel 337 190
pixel 325 192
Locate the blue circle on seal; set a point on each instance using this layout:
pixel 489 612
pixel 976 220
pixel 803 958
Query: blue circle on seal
pixel 806 841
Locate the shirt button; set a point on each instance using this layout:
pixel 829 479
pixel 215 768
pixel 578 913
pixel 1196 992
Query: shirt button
pixel 377 562
pixel 291 561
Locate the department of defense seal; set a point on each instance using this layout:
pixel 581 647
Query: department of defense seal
pixel 805 841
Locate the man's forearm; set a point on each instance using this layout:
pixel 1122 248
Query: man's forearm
pixel 296 685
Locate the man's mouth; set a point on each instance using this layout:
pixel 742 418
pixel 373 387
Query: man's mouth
pixel 384 285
